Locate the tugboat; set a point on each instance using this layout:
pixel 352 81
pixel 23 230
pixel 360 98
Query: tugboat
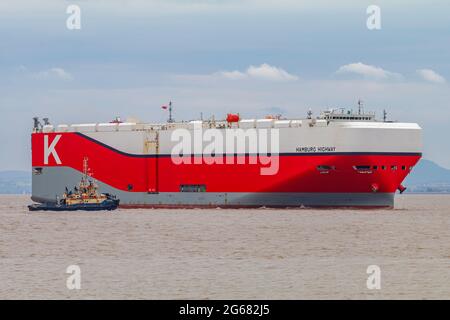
pixel 83 197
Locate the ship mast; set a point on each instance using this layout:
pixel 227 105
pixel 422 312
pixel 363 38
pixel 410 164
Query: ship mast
pixel 170 113
pixel 85 167
pixel 360 106
pixel 85 179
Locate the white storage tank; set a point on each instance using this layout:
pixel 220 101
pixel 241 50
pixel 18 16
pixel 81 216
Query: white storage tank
pixel 197 124
pixel 87 127
pixel 296 123
pixel 62 128
pixel 282 123
pixel 264 123
pixel 126 126
pixel 107 127
pixel 247 123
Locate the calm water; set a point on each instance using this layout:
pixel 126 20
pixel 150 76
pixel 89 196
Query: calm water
pixel 224 254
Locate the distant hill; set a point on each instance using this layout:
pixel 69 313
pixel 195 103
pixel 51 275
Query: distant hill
pixel 15 182
pixel 426 176
pixel 427 171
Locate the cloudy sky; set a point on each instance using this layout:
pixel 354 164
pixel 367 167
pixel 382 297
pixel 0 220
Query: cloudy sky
pixel 255 57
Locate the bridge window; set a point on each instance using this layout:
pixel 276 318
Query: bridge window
pixel 393 168
pixel 403 167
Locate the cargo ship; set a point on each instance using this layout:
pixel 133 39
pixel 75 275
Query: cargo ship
pixel 339 158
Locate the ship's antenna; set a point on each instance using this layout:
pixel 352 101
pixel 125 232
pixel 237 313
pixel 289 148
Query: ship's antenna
pixel 37 124
pixel 309 113
pixel 384 115
pixel 170 113
pixel 360 106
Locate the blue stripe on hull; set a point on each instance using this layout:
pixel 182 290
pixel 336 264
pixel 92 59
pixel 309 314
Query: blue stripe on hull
pixel 249 154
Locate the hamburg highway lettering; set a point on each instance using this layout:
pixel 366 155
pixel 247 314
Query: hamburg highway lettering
pixel 315 149
pixel 239 146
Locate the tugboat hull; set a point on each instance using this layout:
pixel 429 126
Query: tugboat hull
pixel 105 205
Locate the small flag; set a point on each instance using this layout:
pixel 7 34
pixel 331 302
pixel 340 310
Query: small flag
pixel 164 107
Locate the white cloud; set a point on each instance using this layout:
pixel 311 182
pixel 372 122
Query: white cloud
pixel 233 75
pixel 268 72
pixel 263 72
pixel 368 71
pixel 53 73
pixel 431 76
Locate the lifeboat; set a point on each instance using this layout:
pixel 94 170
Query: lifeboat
pixel 231 117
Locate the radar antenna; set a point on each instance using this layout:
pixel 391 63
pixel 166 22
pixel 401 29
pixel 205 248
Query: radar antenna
pixel 309 114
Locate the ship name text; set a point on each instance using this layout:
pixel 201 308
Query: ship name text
pixel 315 149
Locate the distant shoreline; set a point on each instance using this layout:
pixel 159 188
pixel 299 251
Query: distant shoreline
pixel 406 193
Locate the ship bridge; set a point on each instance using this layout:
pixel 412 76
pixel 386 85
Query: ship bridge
pixel 347 115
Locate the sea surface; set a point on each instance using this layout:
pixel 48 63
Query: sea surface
pixel 227 254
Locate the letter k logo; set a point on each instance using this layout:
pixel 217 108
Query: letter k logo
pixel 50 150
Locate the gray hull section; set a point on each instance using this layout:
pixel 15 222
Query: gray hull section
pixel 52 182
